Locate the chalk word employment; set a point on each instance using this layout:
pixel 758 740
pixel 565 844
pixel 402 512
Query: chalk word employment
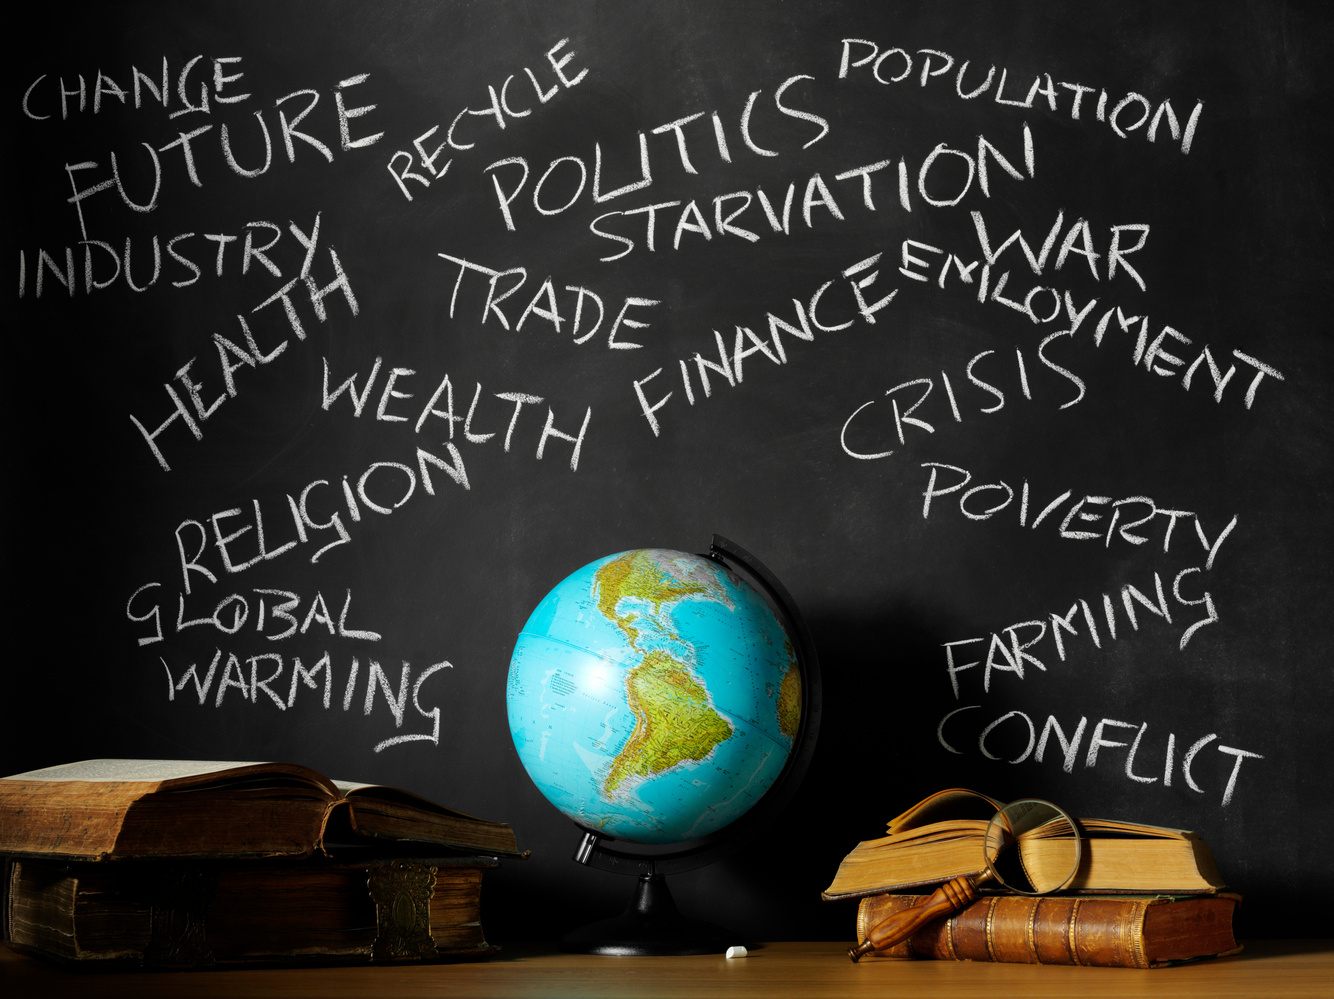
pixel 266 671
pixel 952 728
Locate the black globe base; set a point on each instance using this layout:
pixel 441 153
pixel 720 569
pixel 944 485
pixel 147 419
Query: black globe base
pixel 650 926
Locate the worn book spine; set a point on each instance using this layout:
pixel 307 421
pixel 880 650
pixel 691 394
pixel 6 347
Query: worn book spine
pixel 182 915
pixel 1144 931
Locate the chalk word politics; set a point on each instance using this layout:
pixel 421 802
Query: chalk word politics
pixel 862 59
pixel 273 614
pixel 282 681
pixel 572 175
pixel 498 111
pixel 1016 728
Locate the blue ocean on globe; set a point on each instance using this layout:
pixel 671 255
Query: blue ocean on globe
pixel 654 696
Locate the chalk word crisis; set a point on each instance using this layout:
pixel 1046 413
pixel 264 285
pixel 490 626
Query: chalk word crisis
pixel 873 431
pixel 499 110
pixel 1124 115
pixel 282 680
pixel 1015 729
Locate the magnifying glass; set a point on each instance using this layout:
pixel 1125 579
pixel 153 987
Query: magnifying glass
pixel 1030 847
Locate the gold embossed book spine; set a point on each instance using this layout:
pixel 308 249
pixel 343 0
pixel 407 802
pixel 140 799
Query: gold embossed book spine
pixel 1124 931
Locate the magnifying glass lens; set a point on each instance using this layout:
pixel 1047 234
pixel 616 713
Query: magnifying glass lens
pixel 1032 847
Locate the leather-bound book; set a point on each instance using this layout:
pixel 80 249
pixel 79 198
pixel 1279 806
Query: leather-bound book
pixel 1125 931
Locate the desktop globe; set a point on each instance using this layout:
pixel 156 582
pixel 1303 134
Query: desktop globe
pixel 656 697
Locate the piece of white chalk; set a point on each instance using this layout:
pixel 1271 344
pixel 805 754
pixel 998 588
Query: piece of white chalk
pixel 736 951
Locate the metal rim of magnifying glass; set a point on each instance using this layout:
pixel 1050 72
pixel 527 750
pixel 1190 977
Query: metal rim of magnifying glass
pixel 1057 813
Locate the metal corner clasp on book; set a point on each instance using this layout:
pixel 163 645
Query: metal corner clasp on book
pixel 402 894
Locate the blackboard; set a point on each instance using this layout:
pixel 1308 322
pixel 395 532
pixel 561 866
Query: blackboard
pixel 999 333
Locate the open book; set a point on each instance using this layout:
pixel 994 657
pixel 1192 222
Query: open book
pixel 114 809
pixel 941 837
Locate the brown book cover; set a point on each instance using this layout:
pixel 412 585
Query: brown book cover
pixel 123 809
pixel 1122 931
pixel 197 914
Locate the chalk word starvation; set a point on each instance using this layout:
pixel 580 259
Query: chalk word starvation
pixel 1016 732
pixel 864 60
pixel 283 680
pixel 941 178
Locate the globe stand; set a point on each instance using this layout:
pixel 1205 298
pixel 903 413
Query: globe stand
pixel 651 926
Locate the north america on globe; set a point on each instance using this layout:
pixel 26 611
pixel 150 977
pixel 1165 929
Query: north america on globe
pixel 654 696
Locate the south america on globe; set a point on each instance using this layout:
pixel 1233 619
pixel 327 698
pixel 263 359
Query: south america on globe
pixel 654 696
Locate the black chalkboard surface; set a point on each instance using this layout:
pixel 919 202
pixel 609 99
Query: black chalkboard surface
pixel 346 330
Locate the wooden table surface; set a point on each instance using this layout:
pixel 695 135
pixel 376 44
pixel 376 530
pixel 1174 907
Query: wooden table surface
pixel 816 970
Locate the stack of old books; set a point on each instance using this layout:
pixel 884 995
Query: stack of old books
pixel 181 863
pixel 1143 896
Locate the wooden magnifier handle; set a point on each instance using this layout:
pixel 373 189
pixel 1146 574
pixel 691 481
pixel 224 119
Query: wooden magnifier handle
pixel 949 898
